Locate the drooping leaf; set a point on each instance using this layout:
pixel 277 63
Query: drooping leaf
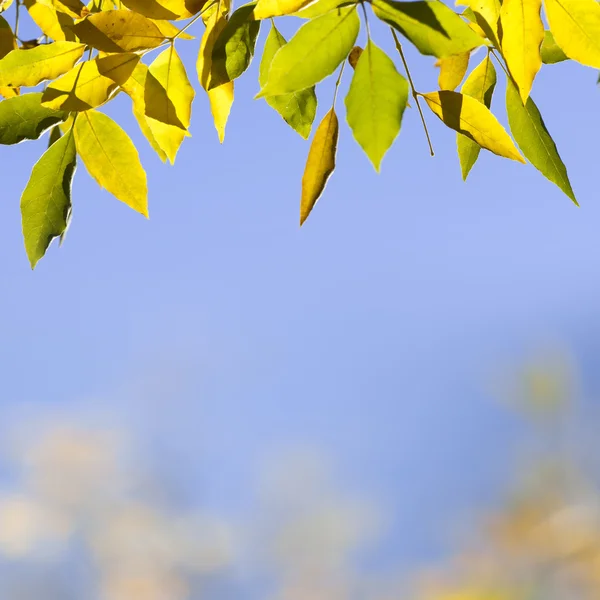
pixel 24 118
pixel 551 51
pixel 119 31
pixel 319 164
pixel 275 8
pixel 466 115
pixel 575 25
pixel 534 140
pixel 165 9
pixel 91 83
pixel 522 36
pixel 480 85
pixel 111 159
pixel 430 25
pixel 46 200
pixel 375 103
pixel 313 53
pixel 30 67
pixel 452 70
pixel 297 109
pixel 234 48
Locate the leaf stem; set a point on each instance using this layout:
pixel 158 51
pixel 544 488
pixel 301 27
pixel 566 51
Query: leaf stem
pixel 337 84
pixel 193 20
pixel 415 94
pixel 362 4
pixel 18 4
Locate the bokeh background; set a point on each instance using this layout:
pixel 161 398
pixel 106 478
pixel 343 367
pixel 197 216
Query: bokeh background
pixel 397 401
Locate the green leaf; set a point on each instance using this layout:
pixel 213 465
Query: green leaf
pixel 319 164
pixel 111 159
pixel 375 102
pixel 55 135
pixel 46 200
pixel 234 48
pixel 480 84
pixel 297 109
pixel 313 53
pixel 24 118
pixel 473 119
pixel 30 67
pixel 320 7
pixel 430 25
pixel 532 136
pixel 551 51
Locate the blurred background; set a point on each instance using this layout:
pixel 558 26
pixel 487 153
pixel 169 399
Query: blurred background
pixel 399 401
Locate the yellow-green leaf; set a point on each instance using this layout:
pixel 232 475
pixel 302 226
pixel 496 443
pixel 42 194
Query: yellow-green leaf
pixel 522 36
pixel 119 31
pixel 452 70
pixel 537 145
pixel 318 8
pixel 316 50
pixel 275 8
pixel 111 159
pixel 466 115
pixel 375 103
pixel 165 9
pixel 575 25
pixel 319 164
pixel 430 25
pixel 91 83
pixel 551 51
pixel 46 200
pixel 30 67
pixel 487 16
pixel 480 85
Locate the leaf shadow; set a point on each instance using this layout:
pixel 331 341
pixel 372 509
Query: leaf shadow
pixel 158 105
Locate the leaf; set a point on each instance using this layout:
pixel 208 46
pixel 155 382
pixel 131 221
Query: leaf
pixel 297 109
pixel 522 36
pixel 111 159
pixel 55 135
pixel 487 17
pixel 30 67
pixel 354 55
pixel 533 138
pixel 452 70
pixel 91 83
pixel 550 50
pixel 221 97
pixel 135 88
pixel 319 164
pixel 275 8
pixel 375 103
pixel 56 25
pixel 8 43
pixel 471 118
pixel 316 50
pixel 430 25
pixel 24 118
pixel 317 8
pixel 46 200
pixel 479 85
pixel 234 48
pixel 575 25
pixel 74 8
pixel 165 9
pixel 119 31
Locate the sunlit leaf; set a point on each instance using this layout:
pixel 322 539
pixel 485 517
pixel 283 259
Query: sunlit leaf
pixel 522 36
pixel 319 164
pixel 486 14
pixel 46 200
pixel 30 67
pixel 466 115
pixel 452 70
pixel 313 53
pixel 275 8
pixel 165 9
pixel 297 109
pixel 534 140
pixel 318 8
pixel 56 25
pixel 111 159
pixel 430 25
pixel 375 103
pixel 480 85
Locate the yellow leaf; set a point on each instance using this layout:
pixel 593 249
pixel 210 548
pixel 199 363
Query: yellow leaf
pixel 319 164
pixel 73 8
pixel 119 31
pixel 9 92
pixel 170 31
pixel 275 8
pixel 523 34
pixel 220 97
pixel 30 67
pixel 576 28
pixel 91 83
pixel 56 25
pixel 165 9
pixel 471 118
pixel 111 159
pixel 487 14
pixel 452 70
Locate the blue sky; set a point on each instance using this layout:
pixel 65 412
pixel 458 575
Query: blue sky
pixel 226 333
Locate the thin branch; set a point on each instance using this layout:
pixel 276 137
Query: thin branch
pixel 190 23
pixel 337 84
pixel 18 4
pixel 415 94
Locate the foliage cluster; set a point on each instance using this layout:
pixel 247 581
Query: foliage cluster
pixel 87 54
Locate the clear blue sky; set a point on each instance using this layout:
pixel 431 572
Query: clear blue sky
pixel 227 333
